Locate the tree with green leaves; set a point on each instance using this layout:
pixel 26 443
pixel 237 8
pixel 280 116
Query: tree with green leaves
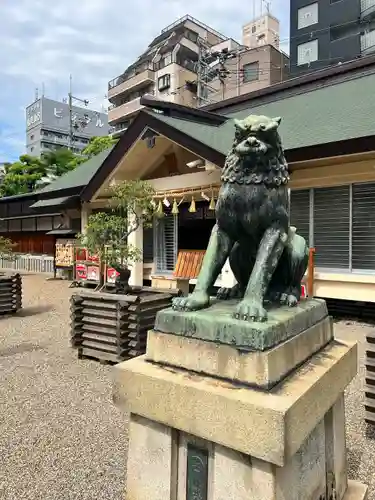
pixel 22 176
pixel 94 147
pixel 6 247
pixel 30 173
pixel 98 144
pixel 106 234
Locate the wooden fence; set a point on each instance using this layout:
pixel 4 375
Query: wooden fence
pixel 28 263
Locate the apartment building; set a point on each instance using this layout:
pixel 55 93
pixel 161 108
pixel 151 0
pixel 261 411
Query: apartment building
pixel 245 70
pixel 263 30
pixel 329 32
pixel 167 70
pixel 48 125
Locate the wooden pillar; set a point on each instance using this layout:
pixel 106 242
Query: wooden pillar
pixel 310 273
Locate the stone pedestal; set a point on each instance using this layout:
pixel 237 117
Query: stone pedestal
pixel 265 421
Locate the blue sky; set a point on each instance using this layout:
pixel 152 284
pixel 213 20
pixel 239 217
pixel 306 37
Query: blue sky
pixel 94 40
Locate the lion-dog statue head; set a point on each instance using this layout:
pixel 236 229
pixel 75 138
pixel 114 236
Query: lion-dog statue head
pixel 256 156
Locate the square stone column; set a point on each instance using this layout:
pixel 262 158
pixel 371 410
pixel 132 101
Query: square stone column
pixel 210 421
pixel 85 214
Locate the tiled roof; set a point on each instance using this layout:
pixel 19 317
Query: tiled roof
pixel 332 113
pixel 78 177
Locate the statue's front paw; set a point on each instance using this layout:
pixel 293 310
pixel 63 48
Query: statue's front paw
pixel 250 310
pixel 193 302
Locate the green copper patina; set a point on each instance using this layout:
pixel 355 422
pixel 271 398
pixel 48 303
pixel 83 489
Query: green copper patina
pixel 267 257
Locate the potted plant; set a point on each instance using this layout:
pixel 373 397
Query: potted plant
pixel 107 232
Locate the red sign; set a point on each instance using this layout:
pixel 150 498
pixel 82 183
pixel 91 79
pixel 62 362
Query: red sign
pixel 81 272
pixel 81 254
pixel 93 273
pixel 92 258
pixel 112 275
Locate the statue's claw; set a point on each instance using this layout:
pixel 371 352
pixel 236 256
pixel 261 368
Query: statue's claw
pixel 223 293
pixel 230 293
pixel 250 310
pixel 288 299
pixel 194 302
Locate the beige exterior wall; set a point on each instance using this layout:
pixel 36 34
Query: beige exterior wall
pixel 176 93
pixel 308 176
pixel 267 31
pixel 208 36
pixel 273 68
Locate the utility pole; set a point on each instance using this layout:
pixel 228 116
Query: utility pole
pixel 71 98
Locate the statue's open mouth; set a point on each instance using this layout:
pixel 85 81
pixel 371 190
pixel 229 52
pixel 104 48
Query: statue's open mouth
pixel 251 147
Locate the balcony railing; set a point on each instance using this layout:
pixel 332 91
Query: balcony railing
pixel 367 7
pixel 134 71
pixel 368 42
pixel 125 110
pixel 195 21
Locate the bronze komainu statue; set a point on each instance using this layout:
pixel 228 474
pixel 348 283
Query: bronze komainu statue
pixel 267 257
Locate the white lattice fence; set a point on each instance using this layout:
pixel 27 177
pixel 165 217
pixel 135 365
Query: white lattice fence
pixel 29 263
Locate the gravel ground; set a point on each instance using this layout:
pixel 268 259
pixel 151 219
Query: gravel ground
pixel 62 438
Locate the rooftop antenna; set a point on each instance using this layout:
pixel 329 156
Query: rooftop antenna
pixel 43 89
pixel 267 4
pixel 36 93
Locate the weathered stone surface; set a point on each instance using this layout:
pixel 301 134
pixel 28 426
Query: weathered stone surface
pixel 271 425
pixel 216 324
pixel 150 449
pixel 262 369
pixel 356 491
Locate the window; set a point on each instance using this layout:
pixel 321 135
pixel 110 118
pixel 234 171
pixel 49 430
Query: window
pixel 29 224
pixel 331 214
pixel 15 225
pixel 191 35
pixel 363 227
pixel 32 148
pixel 44 223
pixel 307 52
pixel 165 243
pixel 308 15
pixel 250 72
pixel 300 212
pixel 343 30
pixel 341 223
pixel 31 137
pixel 253 29
pixel 148 245
pixel 164 82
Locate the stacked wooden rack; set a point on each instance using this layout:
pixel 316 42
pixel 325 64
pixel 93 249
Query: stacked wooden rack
pixel 370 379
pixel 10 293
pixel 112 327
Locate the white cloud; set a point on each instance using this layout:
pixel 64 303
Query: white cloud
pixel 95 41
